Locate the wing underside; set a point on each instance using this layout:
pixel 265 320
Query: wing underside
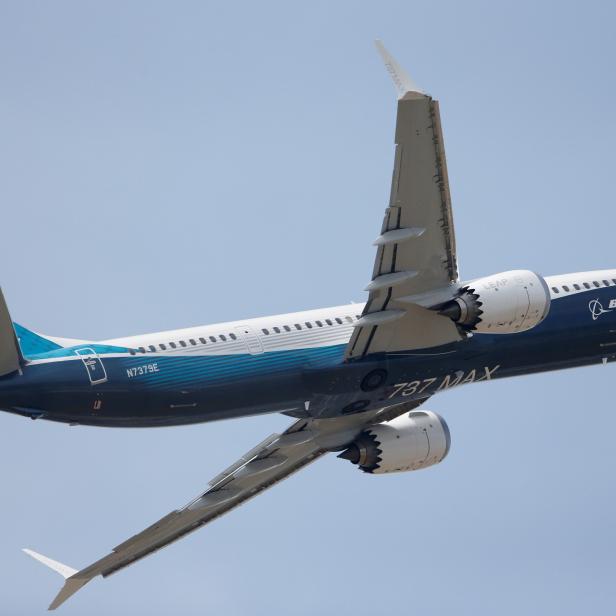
pixel 416 265
pixel 273 460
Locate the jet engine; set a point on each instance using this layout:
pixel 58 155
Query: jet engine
pixel 407 443
pixel 505 303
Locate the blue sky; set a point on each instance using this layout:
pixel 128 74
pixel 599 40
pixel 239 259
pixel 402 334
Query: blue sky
pixel 173 164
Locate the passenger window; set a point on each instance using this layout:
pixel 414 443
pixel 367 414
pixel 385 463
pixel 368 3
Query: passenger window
pixel 587 285
pixel 265 331
pixel 566 288
pixel 576 287
pixel 614 280
pixel 173 345
pixel 141 350
pixel 223 337
pixel 596 283
pixel 357 317
pixel 152 348
pixel 162 347
pixel 287 328
pixel 233 336
pixel 298 326
pixel 276 329
pixel 350 319
pixel 606 283
pixel 308 324
pixel 319 323
pixel 132 351
pixel 193 342
pixel 182 343
pixel 555 289
pixel 328 321
pixel 202 340
pixel 212 339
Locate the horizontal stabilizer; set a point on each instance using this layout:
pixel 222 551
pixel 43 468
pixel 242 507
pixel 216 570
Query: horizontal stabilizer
pixel 73 582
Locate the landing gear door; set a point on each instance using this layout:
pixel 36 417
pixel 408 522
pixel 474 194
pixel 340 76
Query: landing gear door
pixel 93 365
pixel 251 339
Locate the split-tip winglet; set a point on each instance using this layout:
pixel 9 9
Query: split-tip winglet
pixel 404 85
pixel 72 584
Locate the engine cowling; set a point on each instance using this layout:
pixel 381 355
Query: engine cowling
pixel 505 303
pixel 408 443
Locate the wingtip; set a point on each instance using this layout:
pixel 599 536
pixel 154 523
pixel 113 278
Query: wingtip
pixel 405 86
pixel 72 582
pixel 71 586
pixel 64 570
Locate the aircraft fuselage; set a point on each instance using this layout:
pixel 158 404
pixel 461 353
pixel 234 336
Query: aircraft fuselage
pixel 297 367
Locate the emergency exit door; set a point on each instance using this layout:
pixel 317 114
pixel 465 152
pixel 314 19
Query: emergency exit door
pixel 93 365
pixel 250 338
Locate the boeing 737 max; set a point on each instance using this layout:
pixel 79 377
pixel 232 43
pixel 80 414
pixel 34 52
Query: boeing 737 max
pixel 352 376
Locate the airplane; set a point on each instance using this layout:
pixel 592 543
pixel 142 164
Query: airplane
pixel 352 377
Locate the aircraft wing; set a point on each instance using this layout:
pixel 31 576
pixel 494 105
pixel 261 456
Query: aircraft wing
pixel 416 265
pixel 274 459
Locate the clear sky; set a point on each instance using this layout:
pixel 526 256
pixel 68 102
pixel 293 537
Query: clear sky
pixel 168 164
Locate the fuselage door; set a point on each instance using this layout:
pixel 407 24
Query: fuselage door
pixel 248 335
pixel 93 365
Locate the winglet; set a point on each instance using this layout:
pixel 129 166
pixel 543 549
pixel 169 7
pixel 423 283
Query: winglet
pixel 72 584
pixel 404 85
pixel 64 570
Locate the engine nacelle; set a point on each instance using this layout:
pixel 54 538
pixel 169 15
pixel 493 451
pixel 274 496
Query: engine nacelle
pixel 506 303
pixel 407 443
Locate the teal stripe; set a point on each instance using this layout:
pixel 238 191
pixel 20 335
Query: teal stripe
pixel 221 368
pixel 32 344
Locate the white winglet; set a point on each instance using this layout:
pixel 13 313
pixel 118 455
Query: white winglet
pixel 64 570
pixel 72 584
pixel 404 85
